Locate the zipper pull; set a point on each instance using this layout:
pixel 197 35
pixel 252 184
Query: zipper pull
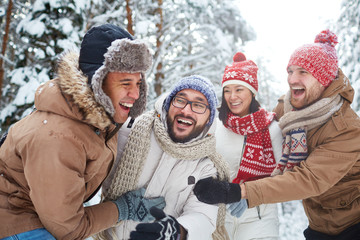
pixel 258 210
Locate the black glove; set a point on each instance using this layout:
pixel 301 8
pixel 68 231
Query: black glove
pixel 164 227
pixel 213 191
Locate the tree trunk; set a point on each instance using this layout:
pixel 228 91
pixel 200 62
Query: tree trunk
pixel 130 27
pixel 4 44
pixel 159 74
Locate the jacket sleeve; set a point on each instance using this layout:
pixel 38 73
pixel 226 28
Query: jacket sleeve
pixel 55 168
pixel 332 158
pixel 199 219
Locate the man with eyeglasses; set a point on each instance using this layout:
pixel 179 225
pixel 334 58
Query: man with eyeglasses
pixel 165 152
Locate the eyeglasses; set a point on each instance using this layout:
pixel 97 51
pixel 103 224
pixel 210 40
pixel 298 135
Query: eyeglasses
pixel 196 107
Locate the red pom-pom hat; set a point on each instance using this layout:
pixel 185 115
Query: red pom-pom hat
pixel 319 58
pixel 242 72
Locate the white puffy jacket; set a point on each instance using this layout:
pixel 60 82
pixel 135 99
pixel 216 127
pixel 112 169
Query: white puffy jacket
pixel 259 222
pixel 165 176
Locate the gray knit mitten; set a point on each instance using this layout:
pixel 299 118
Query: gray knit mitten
pixel 133 206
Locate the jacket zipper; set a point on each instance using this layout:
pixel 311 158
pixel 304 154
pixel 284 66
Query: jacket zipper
pixel 258 211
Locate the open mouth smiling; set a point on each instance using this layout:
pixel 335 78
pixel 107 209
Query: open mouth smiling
pixel 298 90
pixel 235 104
pixel 184 122
pixel 126 105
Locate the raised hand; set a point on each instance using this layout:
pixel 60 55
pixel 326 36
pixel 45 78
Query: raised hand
pixel 213 191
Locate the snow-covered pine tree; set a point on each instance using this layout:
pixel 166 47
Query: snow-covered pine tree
pixel 186 36
pixel 268 92
pixel 348 32
pixel 48 28
pixel 11 50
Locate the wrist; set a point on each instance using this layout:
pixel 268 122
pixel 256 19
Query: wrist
pixel 183 233
pixel 122 209
pixel 243 190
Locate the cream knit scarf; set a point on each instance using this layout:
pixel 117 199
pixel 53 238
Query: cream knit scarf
pixel 295 124
pixel 136 150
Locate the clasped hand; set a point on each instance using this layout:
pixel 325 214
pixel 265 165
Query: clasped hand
pixel 214 191
pixel 134 206
pixel 164 227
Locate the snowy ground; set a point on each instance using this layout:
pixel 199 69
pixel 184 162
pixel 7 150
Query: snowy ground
pixel 293 220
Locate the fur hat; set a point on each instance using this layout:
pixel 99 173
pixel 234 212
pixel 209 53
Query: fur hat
pixel 109 48
pixel 319 58
pixel 242 72
pixel 197 83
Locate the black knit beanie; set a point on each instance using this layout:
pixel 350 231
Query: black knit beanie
pixel 95 44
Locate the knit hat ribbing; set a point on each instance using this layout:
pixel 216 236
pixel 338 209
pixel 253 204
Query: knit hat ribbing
pixel 109 48
pixel 95 44
pixel 197 83
pixel 242 72
pixel 319 58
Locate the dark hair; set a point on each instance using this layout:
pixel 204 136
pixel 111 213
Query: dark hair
pixel 224 109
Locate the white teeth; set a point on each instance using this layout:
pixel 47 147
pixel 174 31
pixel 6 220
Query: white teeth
pixel 235 104
pixel 297 88
pixel 127 104
pixel 185 121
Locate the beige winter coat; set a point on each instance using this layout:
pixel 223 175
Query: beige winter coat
pixel 54 159
pixel 329 180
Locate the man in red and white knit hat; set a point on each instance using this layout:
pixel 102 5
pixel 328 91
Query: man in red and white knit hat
pixel 321 162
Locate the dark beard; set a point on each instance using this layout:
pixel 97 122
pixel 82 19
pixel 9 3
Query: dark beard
pixel 193 134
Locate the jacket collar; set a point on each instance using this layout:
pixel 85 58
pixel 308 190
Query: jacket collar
pixel 74 85
pixel 341 85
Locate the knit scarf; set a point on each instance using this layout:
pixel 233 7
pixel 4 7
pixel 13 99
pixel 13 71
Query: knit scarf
pixel 258 159
pixel 295 124
pixel 136 150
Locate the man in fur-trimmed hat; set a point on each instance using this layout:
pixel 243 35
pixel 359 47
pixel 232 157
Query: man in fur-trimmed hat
pixel 55 159
pixel 166 152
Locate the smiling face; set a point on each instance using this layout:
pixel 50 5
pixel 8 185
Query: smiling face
pixel 304 87
pixel 183 123
pixel 238 99
pixel 123 90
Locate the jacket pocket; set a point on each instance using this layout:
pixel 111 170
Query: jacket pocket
pixel 340 199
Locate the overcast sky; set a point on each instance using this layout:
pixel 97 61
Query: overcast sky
pixel 284 25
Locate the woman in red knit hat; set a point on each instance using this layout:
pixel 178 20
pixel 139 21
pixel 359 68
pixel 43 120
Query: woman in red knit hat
pixel 250 141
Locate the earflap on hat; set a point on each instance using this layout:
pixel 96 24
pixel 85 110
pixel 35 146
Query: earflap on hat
pixel 124 55
pixel 242 72
pixel 318 58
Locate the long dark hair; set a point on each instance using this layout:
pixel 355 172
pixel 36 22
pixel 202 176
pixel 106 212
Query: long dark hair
pixel 224 109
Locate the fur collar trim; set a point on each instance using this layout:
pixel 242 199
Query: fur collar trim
pixel 74 83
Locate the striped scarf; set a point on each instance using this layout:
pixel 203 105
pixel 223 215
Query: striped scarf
pixel 294 126
pixel 258 159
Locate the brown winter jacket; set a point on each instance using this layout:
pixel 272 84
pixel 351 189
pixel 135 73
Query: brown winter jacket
pixel 328 181
pixel 54 159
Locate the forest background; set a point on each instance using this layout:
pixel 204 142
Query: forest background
pixel 185 36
